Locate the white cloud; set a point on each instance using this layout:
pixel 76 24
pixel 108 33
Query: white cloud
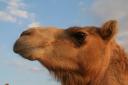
pixel 82 6
pixel 6 17
pixel 110 9
pixel 113 9
pixel 34 24
pixel 81 3
pixel 14 10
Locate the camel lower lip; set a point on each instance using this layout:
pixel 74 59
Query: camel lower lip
pixel 28 57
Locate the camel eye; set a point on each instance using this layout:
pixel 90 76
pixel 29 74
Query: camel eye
pixel 80 37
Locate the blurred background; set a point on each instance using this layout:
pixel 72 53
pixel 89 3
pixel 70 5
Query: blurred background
pixel 18 15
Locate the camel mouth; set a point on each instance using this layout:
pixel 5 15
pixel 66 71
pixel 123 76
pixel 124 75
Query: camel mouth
pixel 24 51
pixel 30 57
pixel 18 47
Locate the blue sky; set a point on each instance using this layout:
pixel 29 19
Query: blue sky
pixel 18 15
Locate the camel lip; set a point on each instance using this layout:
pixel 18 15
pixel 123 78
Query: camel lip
pixel 16 49
pixel 23 50
pixel 21 53
pixel 28 57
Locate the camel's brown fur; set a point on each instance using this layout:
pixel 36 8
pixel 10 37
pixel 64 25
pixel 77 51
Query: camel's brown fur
pixel 77 55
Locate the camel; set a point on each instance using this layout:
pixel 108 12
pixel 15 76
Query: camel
pixel 86 55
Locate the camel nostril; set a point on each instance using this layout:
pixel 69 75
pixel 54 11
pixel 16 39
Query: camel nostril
pixel 26 33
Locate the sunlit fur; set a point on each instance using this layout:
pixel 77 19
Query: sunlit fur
pixel 98 60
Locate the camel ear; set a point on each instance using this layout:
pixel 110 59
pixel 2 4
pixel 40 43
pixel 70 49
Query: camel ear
pixel 109 29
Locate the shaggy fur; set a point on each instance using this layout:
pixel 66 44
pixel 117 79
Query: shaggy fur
pixel 78 55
